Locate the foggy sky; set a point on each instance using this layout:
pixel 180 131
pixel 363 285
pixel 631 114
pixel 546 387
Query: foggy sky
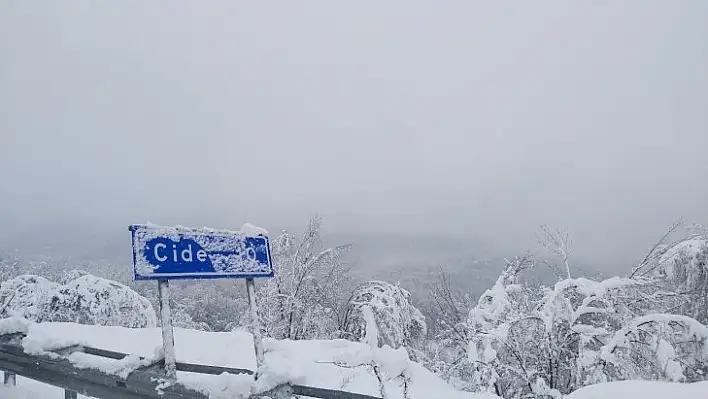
pixel 461 119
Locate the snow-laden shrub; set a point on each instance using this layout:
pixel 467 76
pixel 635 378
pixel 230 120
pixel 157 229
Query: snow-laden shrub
pixel 87 300
pixel 397 322
pixel 24 295
pixel 94 300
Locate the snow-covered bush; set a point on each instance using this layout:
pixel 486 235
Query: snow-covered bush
pixel 387 309
pixel 24 296
pixel 87 300
pixel 93 300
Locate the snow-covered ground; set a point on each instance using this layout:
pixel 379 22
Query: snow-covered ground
pixel 334 364
pixel 30 389
pixel 642 390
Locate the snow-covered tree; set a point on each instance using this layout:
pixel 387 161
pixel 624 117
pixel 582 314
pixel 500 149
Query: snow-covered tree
pixel 680 270
pixel 4 268
pixel 557 243
pixel 93 300
pixel 684 269
pixel 9 267
pixel 449 309
pixel 577 316
pixel 382 313
pixel 658 347
pixel 182 319
pixel 525 340
pixel 499 310
pixel 445 351
pixel 73 274
pixel 305 299
pixel 213 305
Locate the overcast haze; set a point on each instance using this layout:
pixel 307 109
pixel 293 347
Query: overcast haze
pixel 466 119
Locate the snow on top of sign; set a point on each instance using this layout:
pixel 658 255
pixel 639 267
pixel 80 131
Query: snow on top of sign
pixel 251 230
pixel 248 230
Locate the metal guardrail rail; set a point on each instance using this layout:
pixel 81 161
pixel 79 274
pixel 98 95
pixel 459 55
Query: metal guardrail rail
pixel 142 383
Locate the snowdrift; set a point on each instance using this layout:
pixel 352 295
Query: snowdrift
pixel 335 364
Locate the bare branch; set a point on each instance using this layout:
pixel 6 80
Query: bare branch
pixel 557 243
pixel 652 254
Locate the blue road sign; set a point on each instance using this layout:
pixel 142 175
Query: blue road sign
pixel 182 253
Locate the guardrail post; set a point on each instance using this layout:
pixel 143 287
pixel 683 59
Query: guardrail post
pixel 70 394
pixel 9 378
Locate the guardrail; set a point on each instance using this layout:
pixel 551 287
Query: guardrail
pixel 143 383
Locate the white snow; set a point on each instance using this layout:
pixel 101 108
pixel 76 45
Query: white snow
pixel 689 247
pixel 642 390
pixel 12 325
pixel 248 230
pixel 253 231
pixel 372 332
pixel 684 252
pixel 30 389
pixel 334 364
pixel 594 288
pixel 121 368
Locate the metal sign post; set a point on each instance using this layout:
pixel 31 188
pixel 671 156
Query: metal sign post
pixel 168 336
pixel 165 253
pixel 255 325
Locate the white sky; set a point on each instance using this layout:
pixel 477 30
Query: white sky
pixel 460 118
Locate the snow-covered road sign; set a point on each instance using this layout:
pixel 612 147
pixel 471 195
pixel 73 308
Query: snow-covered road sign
pixel 182 253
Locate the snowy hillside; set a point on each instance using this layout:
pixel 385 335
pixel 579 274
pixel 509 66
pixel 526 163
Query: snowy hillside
pixel 334 364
